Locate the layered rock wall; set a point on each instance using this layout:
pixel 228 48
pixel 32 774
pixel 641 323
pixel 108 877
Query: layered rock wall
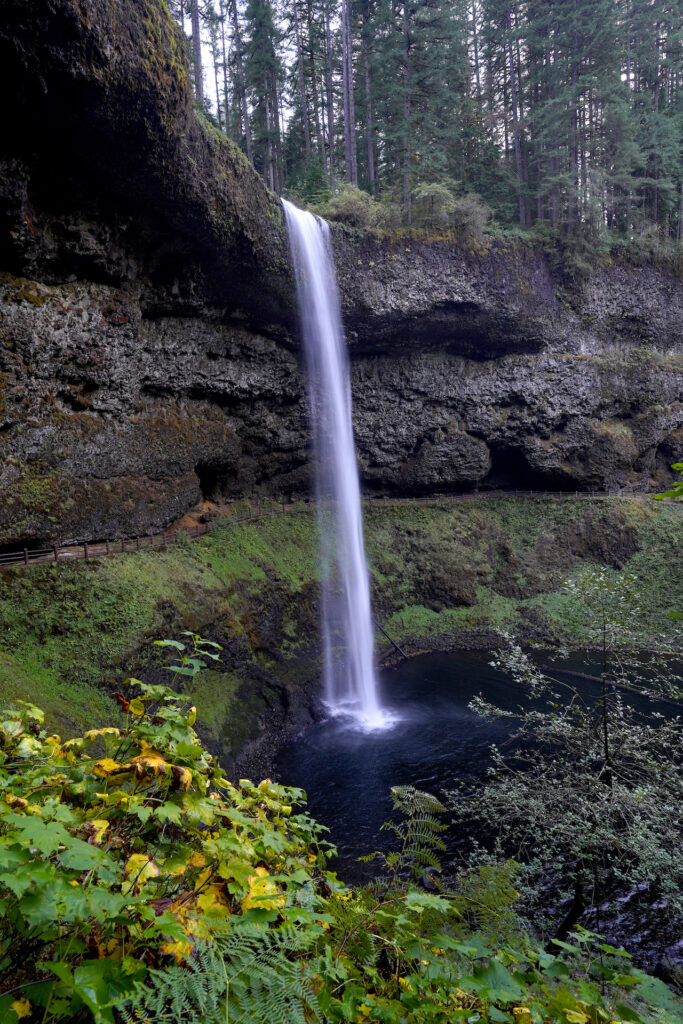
pixel 148 348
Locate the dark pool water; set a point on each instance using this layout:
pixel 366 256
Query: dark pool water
pixel 435 739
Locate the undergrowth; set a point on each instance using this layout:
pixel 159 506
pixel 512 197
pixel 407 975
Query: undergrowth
pixel 139 883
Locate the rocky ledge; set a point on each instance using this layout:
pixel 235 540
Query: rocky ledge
pixel 148 348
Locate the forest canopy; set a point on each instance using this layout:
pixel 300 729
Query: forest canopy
pixel 564 115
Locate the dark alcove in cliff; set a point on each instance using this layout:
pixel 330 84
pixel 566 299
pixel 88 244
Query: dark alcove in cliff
pixel 217 480
pixel 510 470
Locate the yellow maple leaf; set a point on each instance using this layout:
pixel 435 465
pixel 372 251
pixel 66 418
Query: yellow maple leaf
pixel 92 734
pixel 139 869
pixel 183 776
pixel 263 894
pixel 213 898
pixel 17 802
pixel 152 762
pixel 108 766
pixel 96 829
pixel 137 707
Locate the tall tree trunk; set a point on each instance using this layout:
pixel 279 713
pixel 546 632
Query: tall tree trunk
pixel 475 42
pixel 555 193
pixel 226 98
pixel 329 92
pixel 515 125
pixel 269 163
pixel 347 81
pixel 215 61
pixel 573 143
pixel 369 125
pixel 197 52
pixel 241 79
pixel 314 88
pixel 407 197
pixel 302 83
pixel 281 164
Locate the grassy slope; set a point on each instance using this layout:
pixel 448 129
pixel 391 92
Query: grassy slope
pixel 502 561
pixel 449 567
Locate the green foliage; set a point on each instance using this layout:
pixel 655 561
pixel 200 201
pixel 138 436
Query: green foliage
pixel 471 216
pixel 127 845
pixel 433 205
pixel 677 490
pixel 246 974
pixel 417 833
pixel 137 883
pixel 351 206
pixel 584 799
pixel 315 190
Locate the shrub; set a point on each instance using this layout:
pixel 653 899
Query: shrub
pixel 436 207
pixel 351 206
pixel 471 216
pixel 433 206
pixel 126 847
pixel 137 883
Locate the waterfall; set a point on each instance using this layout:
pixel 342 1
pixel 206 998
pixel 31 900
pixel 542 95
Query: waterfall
pixel 350 678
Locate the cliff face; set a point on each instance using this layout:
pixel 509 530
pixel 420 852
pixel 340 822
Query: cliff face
pixel 148 351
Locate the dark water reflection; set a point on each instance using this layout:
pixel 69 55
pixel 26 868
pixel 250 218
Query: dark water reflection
pixel 436 739
pixel 348 774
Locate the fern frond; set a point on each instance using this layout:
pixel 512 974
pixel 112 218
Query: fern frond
pixel 418 833
pixel 246 974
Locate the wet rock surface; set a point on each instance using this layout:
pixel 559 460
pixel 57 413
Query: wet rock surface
pixel 148 352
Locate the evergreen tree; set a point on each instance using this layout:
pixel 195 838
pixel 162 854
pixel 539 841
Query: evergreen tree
pixel 560 113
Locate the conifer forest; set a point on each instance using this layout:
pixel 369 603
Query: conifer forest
pixel 565 115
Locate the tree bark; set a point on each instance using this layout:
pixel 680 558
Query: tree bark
pixel 197 52
pixel 407 197
pixel 515 125
pixel 330 94
pixel 475 42
pixel 241 80
pixel 369 125
pixel 347 82
pixel 314 89
pixel 226 98
pixel 302 83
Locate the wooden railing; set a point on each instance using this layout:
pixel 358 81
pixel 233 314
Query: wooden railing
pixel 25 556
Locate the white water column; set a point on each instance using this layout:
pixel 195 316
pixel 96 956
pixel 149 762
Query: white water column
pixel 350 678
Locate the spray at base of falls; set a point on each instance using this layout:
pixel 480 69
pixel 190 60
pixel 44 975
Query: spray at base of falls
pixel 350 677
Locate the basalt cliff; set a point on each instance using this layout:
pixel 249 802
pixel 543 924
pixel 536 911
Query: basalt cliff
pixel 148 346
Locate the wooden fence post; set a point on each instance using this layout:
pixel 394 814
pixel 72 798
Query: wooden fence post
pixel 137 543
pixel 107 543
pixel 25 556
pixel 56 552
pixel 123 545
pixel 86 553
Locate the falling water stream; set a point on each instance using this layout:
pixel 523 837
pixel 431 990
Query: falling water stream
pixel 350 677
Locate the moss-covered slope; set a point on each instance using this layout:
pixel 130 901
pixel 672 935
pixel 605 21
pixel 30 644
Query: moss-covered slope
pixel 442 574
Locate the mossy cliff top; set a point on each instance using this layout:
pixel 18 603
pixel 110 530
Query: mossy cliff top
pixel 103 123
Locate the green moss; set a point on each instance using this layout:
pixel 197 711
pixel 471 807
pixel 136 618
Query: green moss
pixel 447 567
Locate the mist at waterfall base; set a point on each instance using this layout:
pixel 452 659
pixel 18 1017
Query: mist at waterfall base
pixel 434 739
pixel 347 628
